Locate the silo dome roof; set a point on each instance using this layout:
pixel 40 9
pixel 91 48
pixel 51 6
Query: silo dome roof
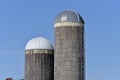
pixel 68 16
pixel 38 43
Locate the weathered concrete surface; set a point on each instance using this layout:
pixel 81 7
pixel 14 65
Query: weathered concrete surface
pixel 39 64
pixel 69 53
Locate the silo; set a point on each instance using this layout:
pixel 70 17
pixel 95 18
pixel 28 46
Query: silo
pixel 39 59
pixel 69 62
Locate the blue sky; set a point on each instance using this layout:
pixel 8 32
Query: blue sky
pixel 21 20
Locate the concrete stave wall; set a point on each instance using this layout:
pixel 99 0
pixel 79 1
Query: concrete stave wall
pixel 69 53
pixel 39 65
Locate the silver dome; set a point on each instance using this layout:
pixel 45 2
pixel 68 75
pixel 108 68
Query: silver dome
pixel 38 43
pixel 69 16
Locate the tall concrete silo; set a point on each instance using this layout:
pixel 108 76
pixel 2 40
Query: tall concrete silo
pixel 39 60
pixel 69 61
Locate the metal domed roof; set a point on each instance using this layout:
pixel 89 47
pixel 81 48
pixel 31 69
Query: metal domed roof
pixel 38 43
pixel 68 16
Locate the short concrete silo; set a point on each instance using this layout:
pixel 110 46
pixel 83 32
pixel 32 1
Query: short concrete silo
pixel 69 62
pixel 39 59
